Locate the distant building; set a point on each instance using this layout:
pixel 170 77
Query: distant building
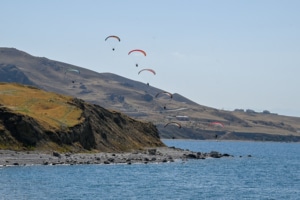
pixel 182 118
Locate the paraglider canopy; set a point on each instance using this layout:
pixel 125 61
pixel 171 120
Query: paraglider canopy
pixel 138 51
pixel 150 70
pixel 216 124
pixel 173 123
pixel 164 92
pixel 113 36
pixel 72 70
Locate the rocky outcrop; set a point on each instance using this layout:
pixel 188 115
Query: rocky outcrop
pixel 100 130
pixel 113 131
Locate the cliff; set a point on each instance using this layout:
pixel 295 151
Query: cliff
pixel 31 118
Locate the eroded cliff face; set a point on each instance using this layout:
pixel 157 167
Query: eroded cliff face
pixel 113 131
pixel 99 129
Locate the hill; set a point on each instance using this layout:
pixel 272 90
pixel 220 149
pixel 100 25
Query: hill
pixel 138 101
pixel 31 118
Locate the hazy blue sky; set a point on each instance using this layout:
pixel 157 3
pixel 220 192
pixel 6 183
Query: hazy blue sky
pixel 224 54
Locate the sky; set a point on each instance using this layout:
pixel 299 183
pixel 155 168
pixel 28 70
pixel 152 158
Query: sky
pixel 227 55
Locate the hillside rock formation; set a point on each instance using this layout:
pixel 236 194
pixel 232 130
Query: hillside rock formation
pixel 100 130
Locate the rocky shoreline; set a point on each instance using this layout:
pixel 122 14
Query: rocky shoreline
pixel 151 155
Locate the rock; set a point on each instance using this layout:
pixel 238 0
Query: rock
pixel 68 154
pixel 215 154
pixel 193 156
pixel 56 154
pixel 152 151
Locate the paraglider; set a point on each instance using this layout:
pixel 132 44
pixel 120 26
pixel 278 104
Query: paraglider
pixel 173 123
pixel 113 39
pixel 70 71
pixel 151 71
pixel 137 52
pixel 164 93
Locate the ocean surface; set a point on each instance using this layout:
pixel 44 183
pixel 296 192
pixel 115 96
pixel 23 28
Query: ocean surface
pixel 258 170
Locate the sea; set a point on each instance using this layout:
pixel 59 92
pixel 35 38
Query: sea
pixel 256 170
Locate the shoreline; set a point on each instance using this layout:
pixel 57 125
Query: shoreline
pixel 222 140
pixel 150 155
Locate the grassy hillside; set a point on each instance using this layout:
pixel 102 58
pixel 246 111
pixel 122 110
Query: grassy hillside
pixel 52 110
pixel 31 118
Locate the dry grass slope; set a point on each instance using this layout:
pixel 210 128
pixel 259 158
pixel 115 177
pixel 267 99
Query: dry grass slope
pixel 51 110
pixel 33 119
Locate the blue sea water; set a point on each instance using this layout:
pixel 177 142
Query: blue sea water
pixel 271 172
